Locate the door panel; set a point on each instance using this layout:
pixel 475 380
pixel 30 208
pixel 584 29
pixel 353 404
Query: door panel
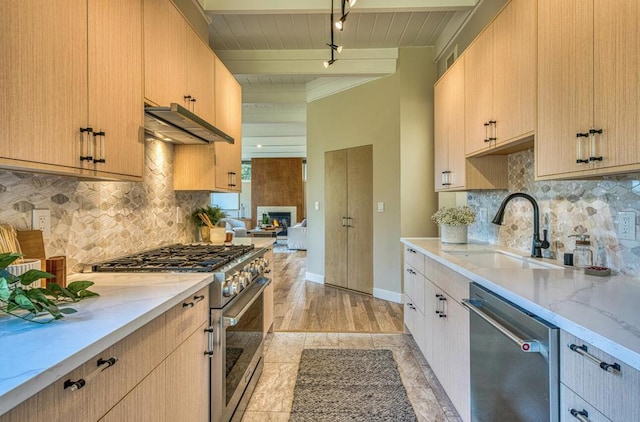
pixel 360 213
pixel 335 198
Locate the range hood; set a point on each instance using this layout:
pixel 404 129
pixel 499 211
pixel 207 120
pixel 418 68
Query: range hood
pixel 178 125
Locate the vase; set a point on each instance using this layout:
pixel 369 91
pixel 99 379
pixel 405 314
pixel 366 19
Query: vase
pixel 217 235
pixel 205 234
pixel 453 234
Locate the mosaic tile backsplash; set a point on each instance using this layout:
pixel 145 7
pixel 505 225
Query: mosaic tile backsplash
pixel 566 208
pixel 95 221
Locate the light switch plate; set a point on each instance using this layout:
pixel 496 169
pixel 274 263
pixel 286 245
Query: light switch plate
pixel 316 206
pixel 380 206
pixel 627 225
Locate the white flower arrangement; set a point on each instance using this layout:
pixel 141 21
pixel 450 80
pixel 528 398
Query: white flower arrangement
pixel 459 216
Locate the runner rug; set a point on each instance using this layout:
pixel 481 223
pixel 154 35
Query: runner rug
pixel 349 385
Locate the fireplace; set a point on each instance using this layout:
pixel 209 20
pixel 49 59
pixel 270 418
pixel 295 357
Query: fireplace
pixel 277 212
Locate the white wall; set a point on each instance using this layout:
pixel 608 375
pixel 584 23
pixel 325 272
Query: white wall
pixel 373 113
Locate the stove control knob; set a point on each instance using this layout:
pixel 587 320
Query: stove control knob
pixel 234 288
pixel 238 281
pixel 226 288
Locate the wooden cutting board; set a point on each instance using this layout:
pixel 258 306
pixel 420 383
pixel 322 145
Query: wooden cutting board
pixel 32 245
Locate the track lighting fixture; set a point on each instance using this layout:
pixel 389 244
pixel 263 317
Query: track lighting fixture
pixel 340 22
pixel 334 47
pixel 328 63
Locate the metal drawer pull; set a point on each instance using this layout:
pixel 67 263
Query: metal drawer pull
pixel 410 271
pixel 580 415
pixel 198 298
pixel 209 330
pixel 583 351
pixel 527 346
pixel 188 304
pixel 102 365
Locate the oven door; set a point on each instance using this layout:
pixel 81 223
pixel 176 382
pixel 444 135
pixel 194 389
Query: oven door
pixel 240 326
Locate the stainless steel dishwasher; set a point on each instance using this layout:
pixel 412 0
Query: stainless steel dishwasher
pixel 514 362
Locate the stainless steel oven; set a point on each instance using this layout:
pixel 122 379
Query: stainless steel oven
pixel 237 359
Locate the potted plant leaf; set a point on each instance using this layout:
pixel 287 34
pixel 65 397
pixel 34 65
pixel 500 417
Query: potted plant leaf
pixel 37 304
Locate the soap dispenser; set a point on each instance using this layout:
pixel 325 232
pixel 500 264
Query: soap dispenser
pixel 582 254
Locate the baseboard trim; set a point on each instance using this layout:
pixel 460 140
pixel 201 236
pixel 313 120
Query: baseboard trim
pixel 388 295
pixel 316 278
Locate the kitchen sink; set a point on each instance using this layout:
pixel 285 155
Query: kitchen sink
pixel 496 258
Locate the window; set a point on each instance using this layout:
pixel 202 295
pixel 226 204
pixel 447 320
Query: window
pixel 246 170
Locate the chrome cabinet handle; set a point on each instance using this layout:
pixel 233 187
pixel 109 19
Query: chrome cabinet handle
pixel 88 131
pixel 98 140
pixel 583 351
pixel 198 298
pixel 592 134
pixel 446 178
pixel 581 415
pixel 410 271
pixel 527 346
pixel 102 365
pixel 579 159
pixel 495 129
pixel 209 330
pixel 188 304
pixel 411 250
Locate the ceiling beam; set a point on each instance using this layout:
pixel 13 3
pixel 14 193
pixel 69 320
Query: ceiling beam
pixel 371 62
pixel 253 7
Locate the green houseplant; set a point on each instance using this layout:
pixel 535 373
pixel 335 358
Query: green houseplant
pixel 453 222
pixel 37 304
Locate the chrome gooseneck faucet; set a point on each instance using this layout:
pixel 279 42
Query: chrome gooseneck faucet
pixel 537 245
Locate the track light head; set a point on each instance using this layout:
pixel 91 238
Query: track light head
pixel 351 2
pixel 334 47
pixel 329 63
pixel 340 22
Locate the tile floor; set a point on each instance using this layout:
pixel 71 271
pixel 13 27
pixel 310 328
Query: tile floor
pixel 273 396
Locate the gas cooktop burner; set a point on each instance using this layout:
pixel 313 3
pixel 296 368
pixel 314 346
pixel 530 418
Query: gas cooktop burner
pixel 182 258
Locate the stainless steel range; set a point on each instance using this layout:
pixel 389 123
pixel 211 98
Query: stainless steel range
pixel 236 313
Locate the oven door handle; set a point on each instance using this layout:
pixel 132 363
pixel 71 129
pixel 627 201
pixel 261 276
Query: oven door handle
pixel 526 346
pixel 256 290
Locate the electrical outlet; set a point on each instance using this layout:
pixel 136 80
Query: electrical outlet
pixel 627 225
pixel 179 215
pixel 380 206
pixel 41 220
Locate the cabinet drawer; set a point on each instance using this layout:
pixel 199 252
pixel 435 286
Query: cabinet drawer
pixel 414 258
pixel 614 393
pixel 453 284
pixel 571 402
pixel 414 286
pixel 137 355
pixel 184 318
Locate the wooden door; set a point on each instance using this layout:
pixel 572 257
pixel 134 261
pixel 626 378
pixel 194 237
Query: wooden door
pixel 44 82
pixel 187 387
pixel 565 84
pixel 335 199
pixel 115 84
pixel 617 82
pixel 360 219
pixel 200 76
pixel 165 34
pixel 146 402
pixel 478 86
pixel 514 71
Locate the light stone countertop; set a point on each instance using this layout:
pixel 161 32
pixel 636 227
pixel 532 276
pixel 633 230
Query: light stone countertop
pixel 36 355
pixel 604 311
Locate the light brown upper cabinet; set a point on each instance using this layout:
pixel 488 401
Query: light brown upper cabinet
pixel 588 88
pixel 72 97
pixel 500 81
pixel 229 120
pixel 452 171
pixel 179 67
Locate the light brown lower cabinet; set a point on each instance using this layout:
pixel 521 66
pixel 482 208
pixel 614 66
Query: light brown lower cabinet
pixel 441 326
pixel 150 377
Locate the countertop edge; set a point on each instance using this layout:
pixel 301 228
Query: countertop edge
pixel 32 386
pixel 599 340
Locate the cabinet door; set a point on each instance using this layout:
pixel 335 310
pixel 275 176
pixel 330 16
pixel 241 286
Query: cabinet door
pixel 335 198
pixel 200 76
pixel 616 82
pixel 194 167
pixel 145 403
pixel 225 105
pixel 43 83
pixel 514 71
pixel 187 387
pixel 165 34
pixel 449 128
pixel 478 92
pixel 565 84
pixel 115 84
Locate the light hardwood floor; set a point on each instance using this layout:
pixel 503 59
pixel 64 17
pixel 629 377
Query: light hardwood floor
pixel 301 305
